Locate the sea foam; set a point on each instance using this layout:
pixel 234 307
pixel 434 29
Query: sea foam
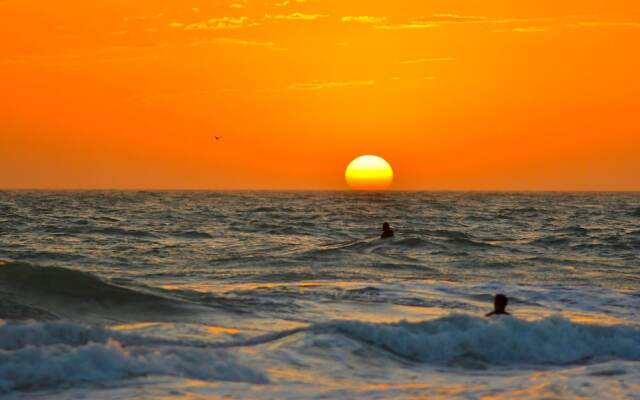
pixel 502 341
pixel 52 354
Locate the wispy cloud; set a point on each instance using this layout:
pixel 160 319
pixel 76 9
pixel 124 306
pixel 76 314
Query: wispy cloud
pixel 363 19
pixel 437 20
pixel 434 21
pixel 329 85
pixel 457 18
pixel 288 2
pixel 216 23
pixel 476 19
pixel 411 25
pixel 427 60
pixel 298 16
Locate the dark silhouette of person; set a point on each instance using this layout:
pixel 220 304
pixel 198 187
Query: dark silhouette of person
pixel 387 232
pixel 499 305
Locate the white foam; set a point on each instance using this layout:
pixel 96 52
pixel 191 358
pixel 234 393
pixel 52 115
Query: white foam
pixel 46 355
pixel 16 336
pixel 504 340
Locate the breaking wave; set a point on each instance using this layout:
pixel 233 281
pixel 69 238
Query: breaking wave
pixel 52 354
pixel 46 355
pixel 500 341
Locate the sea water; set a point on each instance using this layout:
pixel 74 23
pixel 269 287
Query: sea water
pixel 169 295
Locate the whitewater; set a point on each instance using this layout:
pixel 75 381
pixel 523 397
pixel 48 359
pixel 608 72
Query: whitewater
pixel 293 295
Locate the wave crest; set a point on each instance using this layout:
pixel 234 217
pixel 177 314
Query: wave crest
pixel 45 355
pixel 501 341
pixel 70 293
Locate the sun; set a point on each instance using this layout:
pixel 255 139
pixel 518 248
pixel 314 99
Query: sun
pixel 369 173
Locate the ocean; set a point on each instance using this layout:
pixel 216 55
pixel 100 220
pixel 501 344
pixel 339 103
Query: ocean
pixel 293 295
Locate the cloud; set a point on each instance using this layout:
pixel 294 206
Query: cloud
pixel 298 16
pixel 427 60
pixel 434 21
pixel 216 23
pixel 458 18
pixel 364 19
pixel 444 19
pixel 477 19
pixel 288 2
pixel 412 25
pixel 437 20
pixel 329 85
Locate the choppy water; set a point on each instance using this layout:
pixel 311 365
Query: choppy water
pixel 292 295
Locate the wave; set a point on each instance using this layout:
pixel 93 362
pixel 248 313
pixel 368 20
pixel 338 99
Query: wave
pixel 192 234
pixel 462 341
pixel 369 246
pixel 11 310
pixel 115 231
pixel 374 295
pixel 47 355
pixel 65 282
pixel 518 212
pixel 40 355
pixel 455 340
pixel 46 292
pixel 459 339
pixel 575 230
pixel 550 241
pixel 460 239
pixel 415 242
pixel 82 228
pixel 68 293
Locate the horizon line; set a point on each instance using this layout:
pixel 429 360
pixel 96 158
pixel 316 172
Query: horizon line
pixel 40 189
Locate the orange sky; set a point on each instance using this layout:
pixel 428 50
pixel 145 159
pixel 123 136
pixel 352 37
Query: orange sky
pixel 460 94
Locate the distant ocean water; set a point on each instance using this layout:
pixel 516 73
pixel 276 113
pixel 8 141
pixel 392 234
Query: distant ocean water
pixel 251 295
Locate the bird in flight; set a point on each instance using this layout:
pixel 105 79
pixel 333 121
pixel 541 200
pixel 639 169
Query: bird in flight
pixel 218 137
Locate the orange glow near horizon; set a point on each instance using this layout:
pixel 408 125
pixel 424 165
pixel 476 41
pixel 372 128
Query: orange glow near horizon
pixel 460 95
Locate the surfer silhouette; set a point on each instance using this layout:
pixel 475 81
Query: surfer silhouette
pixel 387 232
pixel 499 306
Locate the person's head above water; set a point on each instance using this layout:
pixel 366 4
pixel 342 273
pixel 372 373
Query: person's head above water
pixel 386 231
pixel 499 305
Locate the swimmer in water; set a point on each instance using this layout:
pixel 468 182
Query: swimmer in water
pixel 387 232
pixel 499 306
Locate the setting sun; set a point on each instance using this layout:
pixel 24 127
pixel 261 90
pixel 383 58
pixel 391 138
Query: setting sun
pixel 369 173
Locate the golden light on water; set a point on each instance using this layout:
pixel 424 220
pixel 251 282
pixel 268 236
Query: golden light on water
pixel 369 172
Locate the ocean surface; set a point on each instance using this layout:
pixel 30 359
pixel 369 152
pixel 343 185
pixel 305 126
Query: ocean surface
pixel 292 295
